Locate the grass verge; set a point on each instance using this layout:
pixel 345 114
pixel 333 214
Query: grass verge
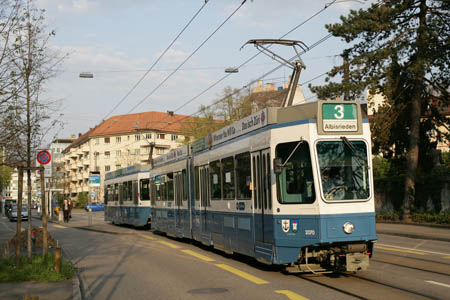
pixel 39 270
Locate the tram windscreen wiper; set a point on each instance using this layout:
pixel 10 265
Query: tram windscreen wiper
pixel 348 144
pixel 292 153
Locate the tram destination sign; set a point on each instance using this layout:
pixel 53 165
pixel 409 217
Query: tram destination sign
pixel 238 128
pixel 339 117
pixel 171 156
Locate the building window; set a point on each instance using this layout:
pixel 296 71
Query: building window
pixel 118 167
pixel 174 137
pixel 137 137
pixel 160 150
pixel 161 136
pixel 97 169
pixel 137 151
pixel 106 140
pixel 107 154
pixel 129 137
pixel 118 139
pixel 148 136
pixel 118 153
pixel 186 138
pixel 97 141
pixel 107 168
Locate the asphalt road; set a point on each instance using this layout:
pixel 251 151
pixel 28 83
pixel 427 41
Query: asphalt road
pixel 140 264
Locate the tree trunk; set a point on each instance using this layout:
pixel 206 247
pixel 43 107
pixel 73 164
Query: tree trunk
pixel 418 71
pixel 19 216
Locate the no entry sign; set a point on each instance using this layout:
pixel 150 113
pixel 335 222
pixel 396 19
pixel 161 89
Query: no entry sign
pixel 44 157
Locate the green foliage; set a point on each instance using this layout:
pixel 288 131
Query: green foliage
pixel 432 218
pixel 39 270
pixel 388 215
pixel 441 218
pixel 5 177
pixel 82 199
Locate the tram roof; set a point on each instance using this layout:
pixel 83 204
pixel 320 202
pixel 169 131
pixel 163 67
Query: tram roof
pixel 278 115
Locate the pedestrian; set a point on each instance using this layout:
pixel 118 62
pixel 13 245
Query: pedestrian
pixel 70 208
pixel 66 211
pixel 39 210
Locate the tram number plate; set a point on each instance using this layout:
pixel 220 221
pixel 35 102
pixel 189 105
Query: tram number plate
pixel 339 117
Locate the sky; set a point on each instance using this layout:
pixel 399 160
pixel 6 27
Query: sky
pixel 118 41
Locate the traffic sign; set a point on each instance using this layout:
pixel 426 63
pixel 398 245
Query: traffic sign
pixel 44 157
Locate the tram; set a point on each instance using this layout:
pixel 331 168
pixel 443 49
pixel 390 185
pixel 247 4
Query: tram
pixel 127 196
pixel 290 186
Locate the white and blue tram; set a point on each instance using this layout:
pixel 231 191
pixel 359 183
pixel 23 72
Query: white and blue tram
pixel 127 196
pixel 289 186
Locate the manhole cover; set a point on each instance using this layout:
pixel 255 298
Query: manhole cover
pixel 208 291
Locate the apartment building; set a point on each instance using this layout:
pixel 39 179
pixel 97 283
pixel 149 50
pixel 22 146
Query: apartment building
pixel 56 149
pixel 116 143
pixel 12 191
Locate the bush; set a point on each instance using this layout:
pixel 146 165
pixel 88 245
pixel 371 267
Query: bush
pixel 441 218
pixel 82 199
pixel 40 269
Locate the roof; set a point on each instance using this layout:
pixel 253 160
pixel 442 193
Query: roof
pixel 133 123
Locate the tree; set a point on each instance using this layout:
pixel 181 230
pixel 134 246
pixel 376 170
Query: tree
pixel 233 105
pixel 401 49
pixel 30 63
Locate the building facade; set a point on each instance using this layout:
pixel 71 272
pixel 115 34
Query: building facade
pixel 116 143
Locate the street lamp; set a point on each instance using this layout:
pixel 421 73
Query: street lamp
pixel 86 75
pixel 231 70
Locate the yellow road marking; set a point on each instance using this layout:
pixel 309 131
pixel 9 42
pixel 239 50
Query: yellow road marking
pixel 447 257
pixel 400 250
pixel 169 245
pixel 147 237
pixel 291 295
pixel 198 255
pixel 59 226
pixel 242 274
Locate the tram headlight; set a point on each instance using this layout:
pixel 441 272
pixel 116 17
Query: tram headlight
pixel 349 227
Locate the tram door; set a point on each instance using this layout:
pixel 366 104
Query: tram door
pixel 178 186
pixel 262 202
pixel 204 197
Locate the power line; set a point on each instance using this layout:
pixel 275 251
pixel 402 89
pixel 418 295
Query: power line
pixel 159 58
pixel 251 82
pixel 195 51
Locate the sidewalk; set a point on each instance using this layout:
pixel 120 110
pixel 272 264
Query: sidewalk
pixel 415 231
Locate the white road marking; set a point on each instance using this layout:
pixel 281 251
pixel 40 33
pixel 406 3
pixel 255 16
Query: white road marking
pixel 438 283
pixel 412 249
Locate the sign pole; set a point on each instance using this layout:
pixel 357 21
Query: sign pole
pixel 44 216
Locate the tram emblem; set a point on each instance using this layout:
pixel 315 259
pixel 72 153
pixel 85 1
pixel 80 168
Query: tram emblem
pixel 294 226
pixel 285 225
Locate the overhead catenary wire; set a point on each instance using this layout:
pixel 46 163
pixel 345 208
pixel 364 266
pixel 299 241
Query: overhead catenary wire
pixel 157 60
pixel 192 54
pixel 253 81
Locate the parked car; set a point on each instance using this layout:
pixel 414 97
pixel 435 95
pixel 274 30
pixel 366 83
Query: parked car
pixel 94 206
pixel 8 205
pixel 12 215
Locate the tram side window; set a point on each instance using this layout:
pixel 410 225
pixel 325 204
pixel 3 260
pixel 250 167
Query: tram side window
pixel 185 185
pixel 169 183
pixel 197 183
pixel 228 178
pixel 116 192
pixel 158 189
pixel 144 190
pixel 295 183
pixel 127 191
pixel 214 173
pixel 152 191
pixel 243 176
pixel 106 194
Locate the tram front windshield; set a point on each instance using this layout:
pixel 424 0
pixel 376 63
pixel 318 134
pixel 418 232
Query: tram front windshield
pixel 343 170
